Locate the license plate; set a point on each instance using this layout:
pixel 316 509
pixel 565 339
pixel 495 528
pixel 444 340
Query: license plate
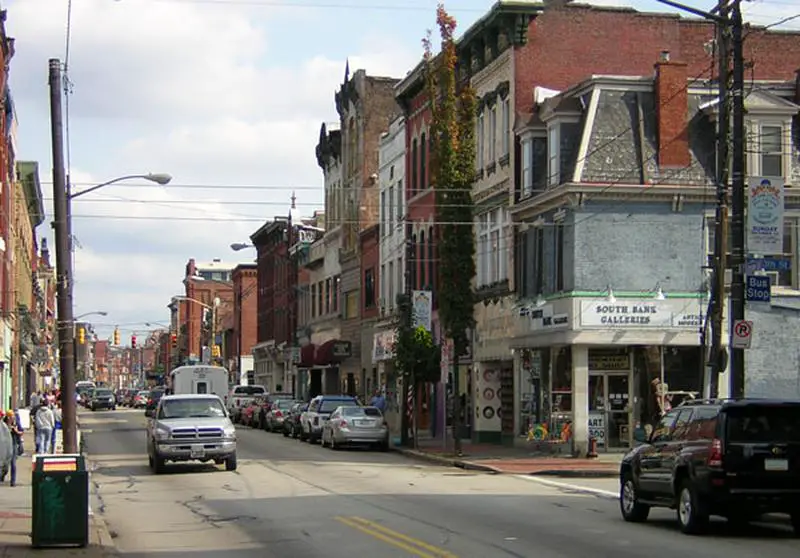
pixel 776 464
pixel 197 452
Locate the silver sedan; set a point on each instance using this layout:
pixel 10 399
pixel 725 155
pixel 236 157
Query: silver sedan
pixel 348 426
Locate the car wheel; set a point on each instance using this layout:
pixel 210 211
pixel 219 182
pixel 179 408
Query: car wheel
pixel 691 510
pixel 230 463
pixel 159 464
pixel 384 446
pixel 630 506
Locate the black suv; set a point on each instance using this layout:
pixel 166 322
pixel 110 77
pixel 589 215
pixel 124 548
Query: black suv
pixel 152 401
pixel 735 458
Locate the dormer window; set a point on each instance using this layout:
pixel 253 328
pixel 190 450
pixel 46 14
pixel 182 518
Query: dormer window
pixel 563 138
pixel 772 150
pixel 533 147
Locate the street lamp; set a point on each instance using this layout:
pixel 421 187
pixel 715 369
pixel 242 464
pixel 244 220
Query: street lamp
pixel 238 246
pixel 62 225
pixel 95 313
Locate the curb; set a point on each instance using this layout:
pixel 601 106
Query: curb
pixel 105 542
pixel 470 466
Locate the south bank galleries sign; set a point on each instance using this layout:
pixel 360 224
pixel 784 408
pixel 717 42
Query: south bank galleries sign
pixel 635 314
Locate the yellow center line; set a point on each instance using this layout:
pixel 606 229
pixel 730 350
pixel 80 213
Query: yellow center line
pixel 384 538
pixel 435 550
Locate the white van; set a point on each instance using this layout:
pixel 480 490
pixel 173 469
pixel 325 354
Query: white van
pixel 199 379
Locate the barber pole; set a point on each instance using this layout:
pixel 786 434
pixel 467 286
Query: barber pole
pixel 410 402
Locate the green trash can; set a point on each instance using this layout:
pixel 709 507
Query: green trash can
pixel 60 503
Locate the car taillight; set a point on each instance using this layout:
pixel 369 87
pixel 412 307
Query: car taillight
pixel 343 424
pixel 715 455
pixel 278 414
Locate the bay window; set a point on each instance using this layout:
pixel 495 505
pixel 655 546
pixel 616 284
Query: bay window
pixel 492 258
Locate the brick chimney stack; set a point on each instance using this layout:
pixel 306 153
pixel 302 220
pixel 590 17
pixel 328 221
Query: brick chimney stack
pixel 672 107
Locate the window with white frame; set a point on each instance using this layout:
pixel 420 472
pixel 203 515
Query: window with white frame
pixel 506 116
pixel 383 214
pixel 527 167
pixel 389 283
pixel 399 202
pixel 479 141
pixel 771 154
pixel 383 287
pixel 492 258
pixel 492 134
pixel 400 281
pixel 554 176
pixel 390 211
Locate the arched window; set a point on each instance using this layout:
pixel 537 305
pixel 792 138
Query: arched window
pixel 423 156
pixel 422 259
pixel 413 168
pixel 431 259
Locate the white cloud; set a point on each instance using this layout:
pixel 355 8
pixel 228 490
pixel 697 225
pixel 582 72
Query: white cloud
pixel 196 92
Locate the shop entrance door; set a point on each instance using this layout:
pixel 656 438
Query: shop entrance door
pixel 610 409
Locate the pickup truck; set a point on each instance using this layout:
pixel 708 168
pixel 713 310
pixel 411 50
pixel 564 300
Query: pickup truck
pixel 241 397
pixel 191 427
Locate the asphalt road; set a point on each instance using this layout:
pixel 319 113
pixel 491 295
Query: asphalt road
pixel 292 499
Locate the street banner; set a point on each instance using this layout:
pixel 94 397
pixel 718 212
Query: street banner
pixel 765 216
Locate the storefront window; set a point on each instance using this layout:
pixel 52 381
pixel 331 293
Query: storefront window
pixel 533 375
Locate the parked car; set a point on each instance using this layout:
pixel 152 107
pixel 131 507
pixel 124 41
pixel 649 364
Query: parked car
pixel 103 398
pixel 735 458
pixel 276 414
pixel 250 414
pixel 140 399
pixel 153 398
pixel 350 426
pixel 291 424
pixel 240 397
pixel 193 427
pixel 319 410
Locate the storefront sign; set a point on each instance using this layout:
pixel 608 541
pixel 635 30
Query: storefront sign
pixel 543 318
pixel 383 345
pixel 597 427
pixel 638 314
pixel 342 349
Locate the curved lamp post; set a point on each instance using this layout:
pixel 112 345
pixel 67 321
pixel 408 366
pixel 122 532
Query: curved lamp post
pixel 211 307
pixel 62 200
pixel 237 246
pixel 95 313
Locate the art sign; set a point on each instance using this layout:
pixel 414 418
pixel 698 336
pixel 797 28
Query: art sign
pixel 765 216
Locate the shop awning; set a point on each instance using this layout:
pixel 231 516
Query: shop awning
pixel 307 354
pixel 333 352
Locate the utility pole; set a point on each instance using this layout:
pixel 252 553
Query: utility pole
pixel 406 410
pixel 61 228
pixel 719 356
pixel 738 253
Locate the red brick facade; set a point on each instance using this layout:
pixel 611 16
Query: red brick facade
pixel 204 291
pixel 370 275
pixel 276 281
pixel 245 309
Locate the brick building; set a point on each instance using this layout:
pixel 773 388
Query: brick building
pixel 244 331
pixel 6 203
pixel 370 304
pixel 366 107
pixel 204 283
pixel 275 278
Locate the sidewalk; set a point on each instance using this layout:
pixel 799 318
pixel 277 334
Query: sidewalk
pixel 15 519
pixel 513 460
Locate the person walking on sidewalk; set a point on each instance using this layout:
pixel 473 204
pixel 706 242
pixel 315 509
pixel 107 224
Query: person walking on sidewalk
pixel 45 422
pixel 57 415
pixel 10 422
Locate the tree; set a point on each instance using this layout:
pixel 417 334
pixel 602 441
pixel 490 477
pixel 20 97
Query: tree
pixel 453 108
pixel 416 356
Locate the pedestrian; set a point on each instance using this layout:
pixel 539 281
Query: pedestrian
pixel 45 422
pixel 378 400
pixel 10 421
pixel 35 401
pixel 57 427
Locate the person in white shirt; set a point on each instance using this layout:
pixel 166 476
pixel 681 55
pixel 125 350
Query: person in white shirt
pixel 45 422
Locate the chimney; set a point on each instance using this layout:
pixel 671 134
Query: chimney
pixel 672 107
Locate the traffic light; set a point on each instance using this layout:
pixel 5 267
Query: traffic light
pixel 116 336
pixel 81 336
pixel 173 339
pixel 133 341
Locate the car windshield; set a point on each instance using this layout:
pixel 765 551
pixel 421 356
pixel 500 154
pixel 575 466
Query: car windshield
pixel 764 424
pixel 191 408
pixel 330 405
pixel 249 390
pixel 361 412
pixel 144 393
pixel 283 404
pixel 102 393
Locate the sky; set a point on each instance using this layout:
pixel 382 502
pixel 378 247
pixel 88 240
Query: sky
pixel 227 96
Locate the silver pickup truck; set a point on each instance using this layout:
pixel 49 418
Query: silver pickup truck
pixel 191 427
